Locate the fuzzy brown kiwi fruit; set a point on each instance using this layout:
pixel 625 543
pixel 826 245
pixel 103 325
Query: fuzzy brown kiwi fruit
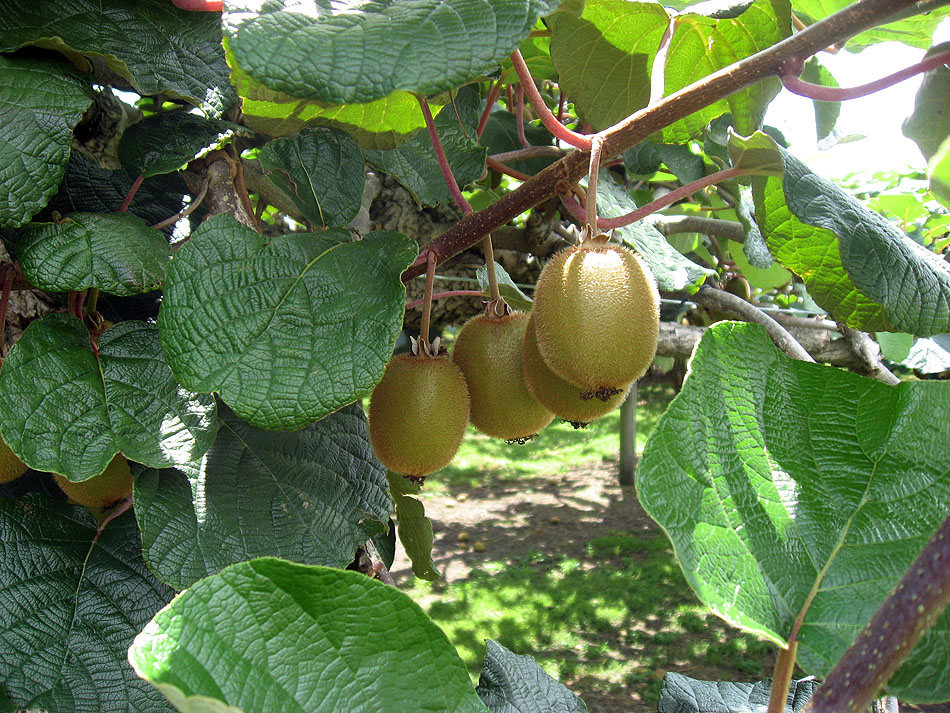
pixel 557 395
pixel 112 484
pixel 488 351
pixel 418 414
pixel 597 317
pixel 11 467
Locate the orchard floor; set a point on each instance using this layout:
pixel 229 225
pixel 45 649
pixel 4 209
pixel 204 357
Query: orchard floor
pixel 544 527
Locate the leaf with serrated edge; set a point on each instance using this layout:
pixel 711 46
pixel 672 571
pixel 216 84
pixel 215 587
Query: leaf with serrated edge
pixel 40 102
pixel 320 169
pixel 681 694
pixel 270 635
pixel 311 52
pixel 116 253
pixel 414 163
pixel 808 492
pixel 512 683
pixel 671 269
pixel 288 328
pixel 857 265
pixel 69 609
pixel 310 496
pixel 151 43
pixel 415 529
pixel 70 411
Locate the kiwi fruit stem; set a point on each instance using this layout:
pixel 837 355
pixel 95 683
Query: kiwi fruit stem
pixel 493 294
pixel 427 304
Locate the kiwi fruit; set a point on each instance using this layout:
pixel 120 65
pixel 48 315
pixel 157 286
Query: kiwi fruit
pixel 11 467
pixel 597 317
pixel 557 395
pixel 112 484
pixel 488 351
pixel 418 414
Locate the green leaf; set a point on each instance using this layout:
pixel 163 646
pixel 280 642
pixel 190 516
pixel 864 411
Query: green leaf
pixel 616 40
pixel 287 328
pixel 116 253
pixel 372 50
pixel 166 142
pixel 938 169
pixel 501 134
pixel 415 529
pixel 69 410
pixel 826 113
pixel 156 47
pixel 510 683
pixel 310 496
pixel 415 165
pixel 41 102
pixel 506 286
pixel 895 347
pixel 275 636
pixel 915 31
pixel 681 694
pixel 671 269
pixel 70 607
pixel 768 278
pixel 930 355
pixel 321 170
pixel 929 125
pixel 856 264
pixel 812 487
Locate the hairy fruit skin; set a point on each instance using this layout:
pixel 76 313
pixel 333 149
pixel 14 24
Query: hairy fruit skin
pixel 112 484
pixel 488 351
pixel 557 395
pixel 597 316
pixel 11 467
pixel 418 413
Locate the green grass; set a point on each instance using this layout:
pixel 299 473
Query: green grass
pixel 556 449
pixel 608 625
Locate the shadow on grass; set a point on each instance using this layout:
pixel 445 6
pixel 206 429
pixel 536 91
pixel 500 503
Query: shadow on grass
pixel 592 592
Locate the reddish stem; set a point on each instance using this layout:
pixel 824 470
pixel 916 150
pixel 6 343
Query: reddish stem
pixel 502 168
pixel 660 203
pixel 489 104
pixel 450 293
pixel 443 160
pixel 132 191
pixel 519 116
pixel 541 109
pixel 427 303
pixel 792 83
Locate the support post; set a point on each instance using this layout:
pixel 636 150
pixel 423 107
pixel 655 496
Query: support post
pixel 628 437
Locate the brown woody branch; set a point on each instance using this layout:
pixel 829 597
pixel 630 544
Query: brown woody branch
pixel 560 176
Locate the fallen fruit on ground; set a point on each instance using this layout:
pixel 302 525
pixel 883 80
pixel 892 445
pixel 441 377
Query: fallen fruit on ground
pixel 597 316
pixel 418 413
pixel 488 351
pixel 562 397
pixel 111 485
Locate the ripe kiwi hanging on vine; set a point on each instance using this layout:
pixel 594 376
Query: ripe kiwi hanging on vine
pixel 597 316
pixel 488 351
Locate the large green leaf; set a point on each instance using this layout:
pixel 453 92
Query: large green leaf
pixel 929 124
pixel 510 683
pixel 321 170
pixel 269 635
pixel 152 44
pixel 116 253
pixel 166 142
pixel 310 496
pixel 41 102
pixel 288 328
pixel 671 269
pixel 70 607
pixel 794 489
pixel 616 40
pixel 313 50
pixel 381 124
pixel 415 529
pixel 915 30
pixel 826 113
pixel 69 409
pixel 856 264
pixel 414 162
pixel 681 694
pixel 938 168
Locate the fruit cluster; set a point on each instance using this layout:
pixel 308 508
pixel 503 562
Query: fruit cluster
pixel 591 334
